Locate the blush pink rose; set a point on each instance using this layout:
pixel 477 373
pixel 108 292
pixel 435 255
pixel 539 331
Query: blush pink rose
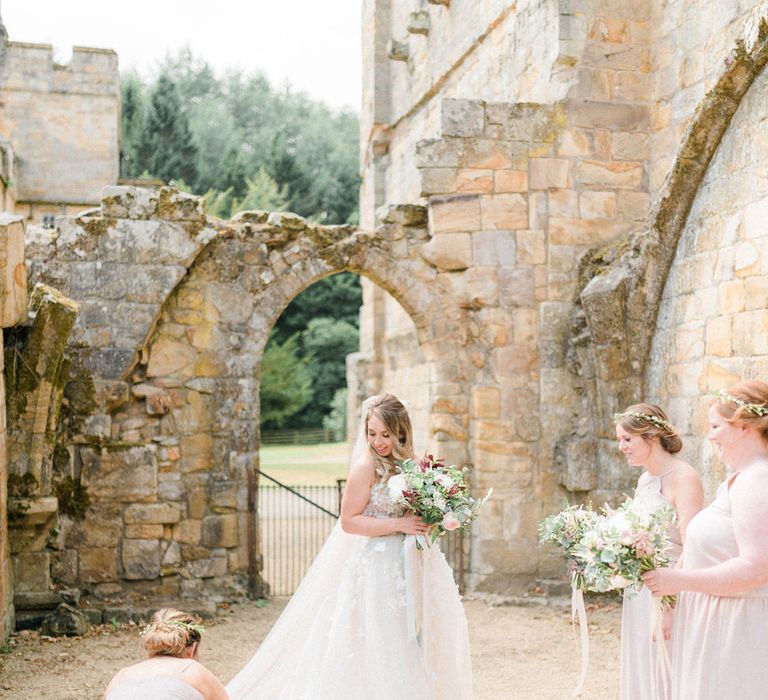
pixel 451 522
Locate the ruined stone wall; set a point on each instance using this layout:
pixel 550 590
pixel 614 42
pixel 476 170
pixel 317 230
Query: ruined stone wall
pixel 159 430
pixel 13 310
pixel 547 215
pixel 712 330
pixel 55 116
pixel 691 41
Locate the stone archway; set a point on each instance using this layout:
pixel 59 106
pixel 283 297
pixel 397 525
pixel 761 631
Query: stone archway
pixel 211 333
pixel 175 311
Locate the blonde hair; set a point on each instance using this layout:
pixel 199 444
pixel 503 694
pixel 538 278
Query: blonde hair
pixel 745 403
pixel 393 413
pixel 649 421
pixel 170 632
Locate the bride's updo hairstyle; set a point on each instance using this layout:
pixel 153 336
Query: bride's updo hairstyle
pixel 170 632
pixel 390 411
pixel 649 421
pixel 745 403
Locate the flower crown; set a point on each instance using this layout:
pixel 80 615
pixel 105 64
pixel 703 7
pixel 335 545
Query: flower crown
pixel 188 626
pixel 647 417
pixel 758 409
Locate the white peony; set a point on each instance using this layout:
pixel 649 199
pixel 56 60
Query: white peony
pixel 445 481
pixel 396 485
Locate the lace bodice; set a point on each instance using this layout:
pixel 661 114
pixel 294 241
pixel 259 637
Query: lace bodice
pixel 381 504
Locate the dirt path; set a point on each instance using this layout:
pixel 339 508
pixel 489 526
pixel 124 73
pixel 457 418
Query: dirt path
pixel 519 653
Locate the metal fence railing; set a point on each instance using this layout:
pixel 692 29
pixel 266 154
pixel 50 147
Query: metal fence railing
pixel 295 521
pixel 300 437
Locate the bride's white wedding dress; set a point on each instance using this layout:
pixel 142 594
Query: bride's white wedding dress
pixel 375 618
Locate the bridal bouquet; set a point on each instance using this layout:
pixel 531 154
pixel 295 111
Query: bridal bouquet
pixel 610 550
pixel 438 494
pixel 566 530
pixel 624 544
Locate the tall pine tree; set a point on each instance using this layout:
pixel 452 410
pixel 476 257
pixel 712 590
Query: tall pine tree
pixel 166 149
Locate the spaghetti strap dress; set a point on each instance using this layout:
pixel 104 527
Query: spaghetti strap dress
pixel 638 667
pixel 720 643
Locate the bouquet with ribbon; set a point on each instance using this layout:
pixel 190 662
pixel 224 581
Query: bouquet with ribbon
pixel 609 551
pixel 438 494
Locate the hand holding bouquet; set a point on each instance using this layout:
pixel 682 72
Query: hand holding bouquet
pixel 438 494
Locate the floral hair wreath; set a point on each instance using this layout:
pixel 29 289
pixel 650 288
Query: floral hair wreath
pixel 756 408
pixel 188 626
pixel 647 417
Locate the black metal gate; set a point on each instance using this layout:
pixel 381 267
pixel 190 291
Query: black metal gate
pixel 294 522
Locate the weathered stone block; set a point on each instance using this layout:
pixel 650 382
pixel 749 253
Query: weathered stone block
pixel 549 173
pixel 32 571
pixel 619 174
pixel 188 532
pixel 127 474
pixel 64 567
pixel 13 271
pixel 121 202
pixel 449 251
pixel 493 248
pixel 144 532
pixel 510 181
pixel 167 356
pixel 207 568
pixel 98 564
pixel 504 211
pixel 516 286
pixel 397 50
pixel 141 559
pixel 597 205
pixel 531 247
pixel 474 181
pixel 438 181
pixel 465 118
pixel 454 214
pixel 486 402
pixel 65 621
pixel 152 513
pixel 418 22
pixel 220 530
pixel 173 205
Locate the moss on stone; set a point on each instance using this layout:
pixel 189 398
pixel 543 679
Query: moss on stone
pixel 73 498
pixel 97 225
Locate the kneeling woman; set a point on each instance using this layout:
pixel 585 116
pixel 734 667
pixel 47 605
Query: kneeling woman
pixel 172 671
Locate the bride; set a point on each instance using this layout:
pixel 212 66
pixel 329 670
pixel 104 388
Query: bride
pixel 375 617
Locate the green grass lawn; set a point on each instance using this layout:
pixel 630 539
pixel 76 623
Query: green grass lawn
pixel 303 465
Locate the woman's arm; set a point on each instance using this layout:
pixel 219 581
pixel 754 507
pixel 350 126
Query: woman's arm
pixel 744 572
pixel 357 493
pixel 209 685
pixel 688 497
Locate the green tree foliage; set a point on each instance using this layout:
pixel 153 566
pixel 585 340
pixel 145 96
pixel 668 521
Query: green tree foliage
pixel 325 343
pixel 241 126
pixel 165 147
pixel 132 123
pixel 336 420
pixel 262 193
pixel 286 383
pixel 244 144
pixel 339 296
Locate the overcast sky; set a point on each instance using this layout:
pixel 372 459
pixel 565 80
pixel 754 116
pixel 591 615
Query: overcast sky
pixel 313 44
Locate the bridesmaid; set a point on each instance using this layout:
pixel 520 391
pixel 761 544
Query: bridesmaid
pixel 720 640
pixel 649 442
